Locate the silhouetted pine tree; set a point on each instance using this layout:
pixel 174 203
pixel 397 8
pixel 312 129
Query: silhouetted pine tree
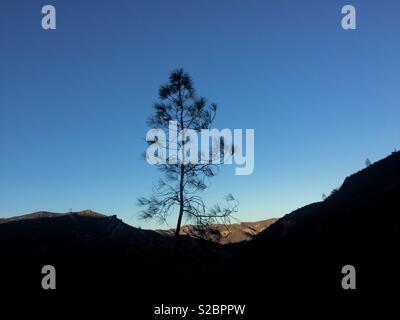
pixel 178 191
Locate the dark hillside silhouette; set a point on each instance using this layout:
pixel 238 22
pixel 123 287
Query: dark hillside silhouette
pixel 359 224
pixel 300 255
pixel 95 253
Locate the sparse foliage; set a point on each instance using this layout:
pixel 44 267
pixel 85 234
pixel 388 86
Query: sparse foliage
pixel 178 192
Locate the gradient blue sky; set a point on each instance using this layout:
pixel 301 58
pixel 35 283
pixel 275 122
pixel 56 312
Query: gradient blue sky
pixel 73 102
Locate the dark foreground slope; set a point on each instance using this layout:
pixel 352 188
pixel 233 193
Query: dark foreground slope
pixel 295 261
pixel 94 253
pixel 357 225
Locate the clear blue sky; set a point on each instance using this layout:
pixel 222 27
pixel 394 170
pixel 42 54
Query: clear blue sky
pixel 73 102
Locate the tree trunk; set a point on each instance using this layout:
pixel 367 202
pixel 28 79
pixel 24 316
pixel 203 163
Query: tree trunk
pixel 178 225
pixel 182 177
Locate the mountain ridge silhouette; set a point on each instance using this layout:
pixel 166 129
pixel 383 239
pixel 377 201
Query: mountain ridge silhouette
pixel 357 225
pixel 298 257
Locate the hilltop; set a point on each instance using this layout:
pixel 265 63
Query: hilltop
pixel 47 214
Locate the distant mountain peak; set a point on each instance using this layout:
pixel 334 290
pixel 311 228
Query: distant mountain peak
pixel 48 214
